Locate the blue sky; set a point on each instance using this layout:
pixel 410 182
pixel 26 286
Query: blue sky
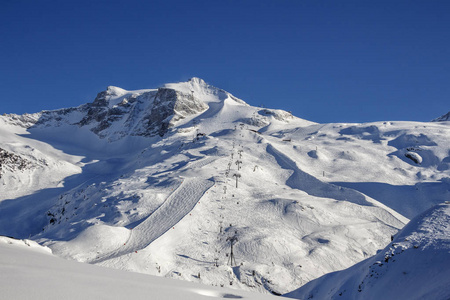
pixel 326 61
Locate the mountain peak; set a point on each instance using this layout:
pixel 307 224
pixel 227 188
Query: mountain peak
pixel 196 80
pixel 111 92
pixel 194 85
pixel 116 113
pixel 115 91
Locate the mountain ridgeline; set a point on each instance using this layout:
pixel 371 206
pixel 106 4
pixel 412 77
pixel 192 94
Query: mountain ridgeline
pixel 116 113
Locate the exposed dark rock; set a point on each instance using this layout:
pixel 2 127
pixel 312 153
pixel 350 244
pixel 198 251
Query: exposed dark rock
pixel 443 118
pixel 12 162
pixel 171 106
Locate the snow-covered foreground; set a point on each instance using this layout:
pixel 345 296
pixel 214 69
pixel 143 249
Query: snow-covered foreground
pixel 415 265
pixel 29 271
pixel 162 181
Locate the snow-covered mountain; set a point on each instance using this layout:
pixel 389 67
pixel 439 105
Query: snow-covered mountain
pixel 165 181
pixel 117 113
pixel 443 118
pixel 413 266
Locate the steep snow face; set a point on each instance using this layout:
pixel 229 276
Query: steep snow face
pixel 442 118
pixel 413 266
pixel 28 165
pixel 199 88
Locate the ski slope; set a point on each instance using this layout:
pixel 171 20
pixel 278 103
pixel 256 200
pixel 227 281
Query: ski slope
pixel 29 271
pixel 176 206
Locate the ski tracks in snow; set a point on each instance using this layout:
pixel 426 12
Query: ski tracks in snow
pixel 176 206
pixel 201 162
pixel 311 185
pixel 315 187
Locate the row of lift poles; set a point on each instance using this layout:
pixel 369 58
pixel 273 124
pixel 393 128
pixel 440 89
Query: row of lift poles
pixel 231 239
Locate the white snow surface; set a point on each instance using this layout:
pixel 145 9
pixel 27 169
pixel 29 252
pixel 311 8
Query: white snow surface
pixel 300 199
pixel 415 265
pixel 29 271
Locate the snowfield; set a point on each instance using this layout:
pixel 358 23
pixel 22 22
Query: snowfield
pixel 29 271
pixel 160 181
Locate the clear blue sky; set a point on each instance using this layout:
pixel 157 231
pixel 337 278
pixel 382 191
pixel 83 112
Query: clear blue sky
pixel 326 61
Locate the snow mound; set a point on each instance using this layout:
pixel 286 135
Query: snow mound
pixel 27 273
pixel 22 244
pixel 88 244
pixel 413 266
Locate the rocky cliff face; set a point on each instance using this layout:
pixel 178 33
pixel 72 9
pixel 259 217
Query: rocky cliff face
pixel 145 114
pixel 12 162
pixel 169 107
pixel 116 113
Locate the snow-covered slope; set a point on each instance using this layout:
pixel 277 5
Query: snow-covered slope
pixel 415 265
pixel 29 271
pixel 162 181
pixel 404 165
